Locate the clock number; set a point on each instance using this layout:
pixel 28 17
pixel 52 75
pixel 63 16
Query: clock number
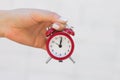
pixel 68 41
pixel 53 41
pixel 69 46
pixel 60 54
pixel 52 50
pixel 50 45
pixel 65 53
pixel 56 38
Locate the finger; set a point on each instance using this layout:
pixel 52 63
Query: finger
pixel 44 15
pixel 62 20
pixel 58 26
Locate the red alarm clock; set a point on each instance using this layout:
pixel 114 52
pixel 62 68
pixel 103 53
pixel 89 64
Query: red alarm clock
pixel 60 44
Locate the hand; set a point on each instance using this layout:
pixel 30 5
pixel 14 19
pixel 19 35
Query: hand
pixel 28 26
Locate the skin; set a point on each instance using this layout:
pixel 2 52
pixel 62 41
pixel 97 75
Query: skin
pixel 28 26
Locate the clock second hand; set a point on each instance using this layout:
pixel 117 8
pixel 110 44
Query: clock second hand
pixel 56 43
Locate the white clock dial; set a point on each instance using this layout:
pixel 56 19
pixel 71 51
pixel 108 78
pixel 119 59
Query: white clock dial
pixel 60 46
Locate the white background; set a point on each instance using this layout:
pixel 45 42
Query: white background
pixel 97 39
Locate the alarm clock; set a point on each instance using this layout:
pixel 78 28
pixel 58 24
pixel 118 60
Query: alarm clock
pixel 60 45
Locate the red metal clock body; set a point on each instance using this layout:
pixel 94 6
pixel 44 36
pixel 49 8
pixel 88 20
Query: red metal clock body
pixel 60 44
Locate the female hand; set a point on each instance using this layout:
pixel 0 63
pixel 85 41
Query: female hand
pixel 28 26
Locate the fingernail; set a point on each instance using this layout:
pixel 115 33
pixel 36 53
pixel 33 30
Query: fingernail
pixel 63 19
pixel 55 26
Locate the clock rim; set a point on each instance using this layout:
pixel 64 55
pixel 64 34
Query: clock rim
pixel 72 46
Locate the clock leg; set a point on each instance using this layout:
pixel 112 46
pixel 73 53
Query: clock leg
pixel 60 61
pixel 48 60
pixel 72 60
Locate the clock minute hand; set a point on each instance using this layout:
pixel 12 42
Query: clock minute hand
pixel 61 41
pixel 60 45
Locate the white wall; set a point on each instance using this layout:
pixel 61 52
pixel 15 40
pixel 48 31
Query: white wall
pixel 97 52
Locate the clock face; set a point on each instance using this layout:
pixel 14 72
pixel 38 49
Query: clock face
pixel 60 46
